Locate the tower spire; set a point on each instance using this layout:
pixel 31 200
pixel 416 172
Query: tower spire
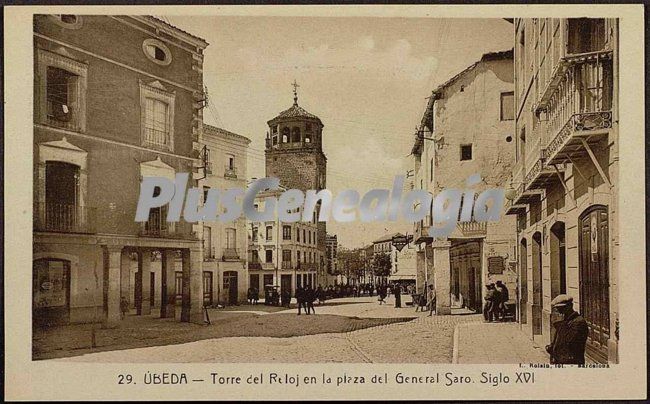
pixel 295 92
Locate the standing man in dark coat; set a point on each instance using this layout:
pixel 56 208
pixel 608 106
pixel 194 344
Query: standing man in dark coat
pixel 496 303
pixel 568 345
pixel 397 290
pixel 310 296
pixel 300 297
pixel 489 301
pixel 503 301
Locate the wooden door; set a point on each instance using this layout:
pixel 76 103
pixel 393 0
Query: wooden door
pixel 207 288
pixel 594 279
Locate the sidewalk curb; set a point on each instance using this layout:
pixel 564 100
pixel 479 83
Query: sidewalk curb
pixel 454 357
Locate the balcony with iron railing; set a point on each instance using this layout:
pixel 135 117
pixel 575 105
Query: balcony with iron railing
pixel 61 115
pixel 162 229
pixel 472 229
pixel 208 253
pixel 64 218
pixel 286 265
pixel 579 107
pixel 230 254
pixel 230 172
pixel 156 138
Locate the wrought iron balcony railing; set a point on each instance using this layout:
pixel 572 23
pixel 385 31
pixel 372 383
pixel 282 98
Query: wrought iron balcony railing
pixel 472 228
pixel 230 254
pixel 156 137
pixel 230 172
pixel 61 115
pixel 286 265
pixel 64 218
pixel 581 98
pixel 163 229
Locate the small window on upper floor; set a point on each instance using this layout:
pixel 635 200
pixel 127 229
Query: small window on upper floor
pixel 465 152
pixel 507 106
pixel 157 51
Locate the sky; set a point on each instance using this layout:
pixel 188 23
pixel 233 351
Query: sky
pixel 366 78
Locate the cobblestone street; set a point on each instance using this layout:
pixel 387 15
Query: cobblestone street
pixel 496 343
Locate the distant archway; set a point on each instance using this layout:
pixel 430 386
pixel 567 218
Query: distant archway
pixel 523 280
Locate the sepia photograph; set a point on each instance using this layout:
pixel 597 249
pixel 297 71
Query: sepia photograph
pixel 261 188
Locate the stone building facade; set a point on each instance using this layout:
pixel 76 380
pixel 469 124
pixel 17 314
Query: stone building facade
pixel 281 254
pixel 116 99
pixel 225 271
pixel 331 261
pixel 467 129
pixel 565 179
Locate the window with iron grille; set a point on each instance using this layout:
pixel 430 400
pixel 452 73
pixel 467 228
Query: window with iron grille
pixel 157 120
pixel 156 125
pixel 286 232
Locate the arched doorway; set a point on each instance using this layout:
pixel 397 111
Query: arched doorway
pixel 594 278
pixel 50 292
pixel 230 287
pixel 537 283
pixel 523 280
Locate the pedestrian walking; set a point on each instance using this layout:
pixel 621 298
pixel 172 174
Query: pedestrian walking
pixel 397 290
pixel 285 297
pixel 300 297
pixel 496 303
pixel 503 301
pixel 124 307
pixel 310 296
pixel 381 292
pixel 431 300
pixel 568 345
pixel 320 295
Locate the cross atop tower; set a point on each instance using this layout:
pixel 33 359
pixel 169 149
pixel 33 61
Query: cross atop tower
pixel 295 92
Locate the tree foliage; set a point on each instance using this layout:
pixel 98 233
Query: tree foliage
pixel 382 264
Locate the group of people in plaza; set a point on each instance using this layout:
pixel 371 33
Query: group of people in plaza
pixel 305 297
pixel 253 295
pixel 496 299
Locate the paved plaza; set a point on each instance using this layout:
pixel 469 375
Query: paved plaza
pixel 346 330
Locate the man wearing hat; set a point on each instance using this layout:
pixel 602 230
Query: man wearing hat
pixel 490 298
pixel 568 345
